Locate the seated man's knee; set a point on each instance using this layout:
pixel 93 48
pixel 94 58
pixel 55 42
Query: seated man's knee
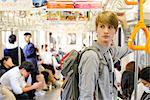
pixel 7 94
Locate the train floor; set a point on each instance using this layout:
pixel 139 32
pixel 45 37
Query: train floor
pixel 53 94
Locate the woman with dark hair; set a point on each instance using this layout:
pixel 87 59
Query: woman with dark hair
pixel 6 64
pixel 12 50
pixel 127 81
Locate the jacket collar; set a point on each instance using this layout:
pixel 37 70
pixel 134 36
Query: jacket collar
pixel 102 48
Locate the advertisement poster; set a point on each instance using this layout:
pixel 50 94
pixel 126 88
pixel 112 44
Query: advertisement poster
pixel 71 38
pixel 9 5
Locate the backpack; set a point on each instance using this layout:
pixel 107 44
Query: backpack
pixel 70 89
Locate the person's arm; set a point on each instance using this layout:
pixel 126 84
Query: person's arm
pixel 120 52
pixel 15 85
pixel 88 70
pixel 19 85
pixel 31 87
pixel 125 26
pixel 123 21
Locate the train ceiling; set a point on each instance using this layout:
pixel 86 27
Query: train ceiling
pixel 22 13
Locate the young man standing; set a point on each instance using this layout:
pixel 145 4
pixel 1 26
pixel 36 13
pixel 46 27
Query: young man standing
pixel 92 84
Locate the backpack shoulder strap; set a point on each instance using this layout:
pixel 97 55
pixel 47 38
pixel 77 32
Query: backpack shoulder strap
pixel 97 51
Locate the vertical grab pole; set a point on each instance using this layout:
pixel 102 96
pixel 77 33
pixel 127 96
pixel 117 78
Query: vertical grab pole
pixel 136 70
pixel 19 51
pixel 140 18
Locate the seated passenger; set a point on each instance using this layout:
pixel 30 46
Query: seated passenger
pixel 127 81
pixel 7 94
pixel 49 75
pixel 14 80
pixel 48 62
pixel 143 87
pixel 6 64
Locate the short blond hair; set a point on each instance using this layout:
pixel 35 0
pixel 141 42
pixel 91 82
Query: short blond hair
pixel 107 17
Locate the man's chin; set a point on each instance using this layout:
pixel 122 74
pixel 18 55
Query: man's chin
pixel 106 40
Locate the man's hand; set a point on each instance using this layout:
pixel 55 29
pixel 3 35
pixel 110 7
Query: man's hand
pixel 122 19
pixel 37 85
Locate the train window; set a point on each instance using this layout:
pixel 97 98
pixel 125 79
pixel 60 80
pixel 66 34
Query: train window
pixel 5 35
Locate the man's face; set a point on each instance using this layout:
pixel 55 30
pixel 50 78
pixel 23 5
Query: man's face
pixel 105 33
pixel 27 38
pixel 25 73
pixel 8 63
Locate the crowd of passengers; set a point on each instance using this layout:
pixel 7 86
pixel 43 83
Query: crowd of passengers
pixel 38 70
pixel 34 75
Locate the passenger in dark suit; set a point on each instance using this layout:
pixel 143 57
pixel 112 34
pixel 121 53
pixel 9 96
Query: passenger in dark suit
pixel 12 50
pixel 30 55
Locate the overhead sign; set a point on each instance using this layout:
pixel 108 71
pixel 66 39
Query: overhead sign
pixel 10 5
pixel 60 5
pixel 75 0
pixel 88 5
pixel 74 5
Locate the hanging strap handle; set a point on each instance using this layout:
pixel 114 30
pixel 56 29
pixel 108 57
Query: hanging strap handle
pixel 131 2
pixel 140 25
pixel 133 35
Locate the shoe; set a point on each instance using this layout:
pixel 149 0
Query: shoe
pixel 45 89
